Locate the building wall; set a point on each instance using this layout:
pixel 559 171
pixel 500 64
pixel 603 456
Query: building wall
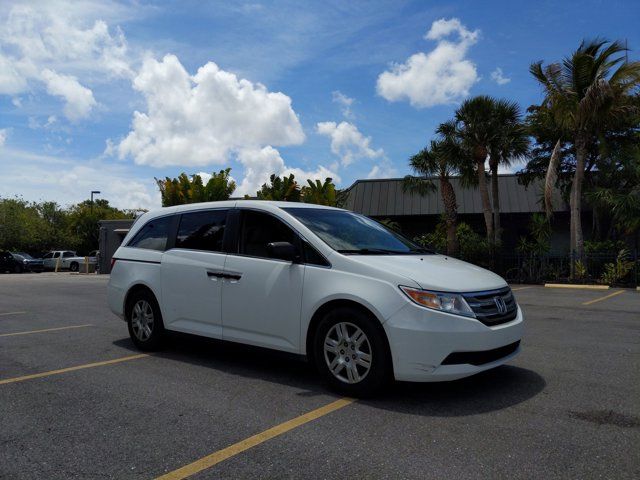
pixel 112 232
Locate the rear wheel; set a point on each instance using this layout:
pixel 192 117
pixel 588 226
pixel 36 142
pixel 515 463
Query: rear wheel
pixel 17 268
pixel 351 352
pixel 145 321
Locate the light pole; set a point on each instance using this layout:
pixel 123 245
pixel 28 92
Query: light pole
pixel 93 192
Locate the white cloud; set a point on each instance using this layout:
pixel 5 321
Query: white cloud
pixel 347 142
pixel 78 99
pixel 4 133
pixel 345 102
pixel 53 45
pixel 259 164
pixel 498 76
pixel 202 119
pixel 384 169
pixel 441 76
pixel 68 180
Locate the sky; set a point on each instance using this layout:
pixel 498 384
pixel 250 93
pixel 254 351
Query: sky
pixel 107 95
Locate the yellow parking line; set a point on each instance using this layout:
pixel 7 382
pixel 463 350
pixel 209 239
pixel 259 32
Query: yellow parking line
pixel 520 288
pixel 44 330
pixel 236 448
pixel 72 369
pixel 604 298
pixel 11 313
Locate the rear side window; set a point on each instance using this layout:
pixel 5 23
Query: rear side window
pixel 153 236
pixel 202 230
pixel 67 254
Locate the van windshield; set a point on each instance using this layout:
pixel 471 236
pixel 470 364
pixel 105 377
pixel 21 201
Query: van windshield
pixel 350 233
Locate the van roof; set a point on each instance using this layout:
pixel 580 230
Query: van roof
pixel 263 204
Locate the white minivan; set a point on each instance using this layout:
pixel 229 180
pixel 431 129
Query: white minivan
pixel 363 303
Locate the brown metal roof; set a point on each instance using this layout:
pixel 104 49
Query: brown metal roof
pixel 386 198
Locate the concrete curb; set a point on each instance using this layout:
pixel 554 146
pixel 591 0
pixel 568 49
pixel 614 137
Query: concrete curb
pixel 576 285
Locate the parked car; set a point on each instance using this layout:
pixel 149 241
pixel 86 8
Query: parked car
pixel 29 263
pixel 9 263
pixel 363 303
pixel 69 260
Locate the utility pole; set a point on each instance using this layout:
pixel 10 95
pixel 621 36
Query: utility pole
pixel 93 192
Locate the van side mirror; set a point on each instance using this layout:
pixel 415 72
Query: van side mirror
pixel 283 251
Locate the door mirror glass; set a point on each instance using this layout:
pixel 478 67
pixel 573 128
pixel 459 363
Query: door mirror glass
pixel 283 251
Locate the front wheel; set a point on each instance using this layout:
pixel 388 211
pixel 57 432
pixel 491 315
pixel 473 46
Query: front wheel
pixel 145 321
pixel 351 352
pixel 74 266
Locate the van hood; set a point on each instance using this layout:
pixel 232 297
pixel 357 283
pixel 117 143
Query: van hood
pixel 436 272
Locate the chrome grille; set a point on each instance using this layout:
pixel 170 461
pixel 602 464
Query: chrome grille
pixel 493 307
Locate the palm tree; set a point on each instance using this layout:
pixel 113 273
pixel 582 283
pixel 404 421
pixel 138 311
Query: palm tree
pixel 584 92
pixel 437 160
pixel 319 193
pixel 477 130
pixel 511 142
pixel 182 189
pixel 284 189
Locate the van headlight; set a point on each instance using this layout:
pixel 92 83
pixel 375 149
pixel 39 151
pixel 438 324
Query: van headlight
pixel 442 301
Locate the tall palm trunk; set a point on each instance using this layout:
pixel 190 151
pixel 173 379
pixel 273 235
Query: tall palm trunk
pixel 495 198
pixel 480 157
pixel 450 215
pixel 577 240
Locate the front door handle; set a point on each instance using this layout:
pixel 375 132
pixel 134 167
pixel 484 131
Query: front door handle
pixel 215 274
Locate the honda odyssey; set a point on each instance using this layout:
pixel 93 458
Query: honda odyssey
pixel 360 301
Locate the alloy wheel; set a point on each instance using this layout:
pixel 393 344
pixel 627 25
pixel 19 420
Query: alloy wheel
pixel 347 352
pixel 142 320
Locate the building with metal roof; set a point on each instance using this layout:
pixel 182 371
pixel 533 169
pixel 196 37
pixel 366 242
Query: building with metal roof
pixel 417 214
pixel 386 198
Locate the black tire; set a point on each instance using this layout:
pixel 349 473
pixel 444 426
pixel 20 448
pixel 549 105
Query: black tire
pixel 156 337
pixel 17 268
pixel 74 266
pixel 380 371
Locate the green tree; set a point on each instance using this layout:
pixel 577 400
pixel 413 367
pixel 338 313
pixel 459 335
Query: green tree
pixel 184 189
pixel 511 142
pixel 283 189
pixel 583 95
pixel 440 160
pixel 477 129
pixel 320 193
pixel 83 218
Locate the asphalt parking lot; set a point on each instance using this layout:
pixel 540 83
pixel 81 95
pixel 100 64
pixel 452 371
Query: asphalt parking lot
pixel 77 401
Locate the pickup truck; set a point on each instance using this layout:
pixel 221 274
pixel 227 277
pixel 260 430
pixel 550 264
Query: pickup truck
pixel 68 260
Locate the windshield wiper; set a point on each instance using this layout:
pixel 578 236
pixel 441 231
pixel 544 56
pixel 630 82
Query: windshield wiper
pixel 375 251
pixel 383 251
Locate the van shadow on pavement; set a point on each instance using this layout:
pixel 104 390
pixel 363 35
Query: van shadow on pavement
pixel 488 391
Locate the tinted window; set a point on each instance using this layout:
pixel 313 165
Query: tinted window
pixel 67 254
pixel 48 255
pixel 260 229
pixel 202 230
pixel 153 235
pixel 56 254
pixel 312 257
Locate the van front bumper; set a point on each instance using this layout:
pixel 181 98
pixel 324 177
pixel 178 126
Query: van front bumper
pixel 431 346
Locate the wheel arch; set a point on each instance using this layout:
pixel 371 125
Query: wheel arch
pixel 337 303
pixel 138 287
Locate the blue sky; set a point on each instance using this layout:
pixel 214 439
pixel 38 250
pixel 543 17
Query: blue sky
pixel 106 96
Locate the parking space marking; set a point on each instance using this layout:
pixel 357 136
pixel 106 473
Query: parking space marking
pixel 11 313
pixel 604 298
pixel 520 288
pixel 72 369
pixel 236 448
pixel 45 330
